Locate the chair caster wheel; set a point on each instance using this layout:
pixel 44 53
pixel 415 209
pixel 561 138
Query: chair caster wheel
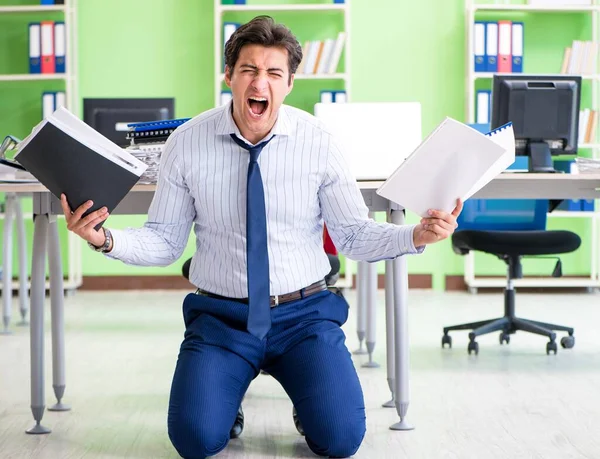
pixel 551 346
pixel 473 346
pixel 504 337
pixel 567 342
pixel 447 339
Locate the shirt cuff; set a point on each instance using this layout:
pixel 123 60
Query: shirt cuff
pixel 119 247
pixel 406 241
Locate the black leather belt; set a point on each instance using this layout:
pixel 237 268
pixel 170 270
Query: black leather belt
pixel 277 299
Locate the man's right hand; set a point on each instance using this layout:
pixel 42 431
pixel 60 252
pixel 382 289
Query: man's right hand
pixel 84 227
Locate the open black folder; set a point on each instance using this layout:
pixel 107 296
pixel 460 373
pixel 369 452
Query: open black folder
pixel 68 156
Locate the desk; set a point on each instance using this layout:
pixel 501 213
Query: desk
pixel 46 207
pixel 13 211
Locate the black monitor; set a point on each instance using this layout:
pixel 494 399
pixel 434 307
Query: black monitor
pixel 111 116
pixel 544 110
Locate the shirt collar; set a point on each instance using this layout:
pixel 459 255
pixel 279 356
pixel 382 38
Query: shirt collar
pixel 226 125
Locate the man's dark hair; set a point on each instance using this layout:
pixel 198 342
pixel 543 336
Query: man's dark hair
pixel 262 30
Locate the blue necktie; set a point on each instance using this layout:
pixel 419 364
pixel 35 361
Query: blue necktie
pixel 259 300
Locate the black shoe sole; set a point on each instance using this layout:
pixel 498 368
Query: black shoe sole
pixel 238 425
pixel 297 422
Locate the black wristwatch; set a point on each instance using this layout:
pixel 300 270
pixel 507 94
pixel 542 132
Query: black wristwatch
pixel 104 247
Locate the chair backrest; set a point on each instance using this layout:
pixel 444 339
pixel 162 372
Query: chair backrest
pixel 503 214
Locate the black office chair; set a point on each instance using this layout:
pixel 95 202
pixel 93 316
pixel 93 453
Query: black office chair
pixel 330 279
pixel 511 244
pixel 185 269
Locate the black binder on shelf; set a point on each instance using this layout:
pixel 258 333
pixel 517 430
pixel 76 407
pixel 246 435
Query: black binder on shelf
pixel 67 156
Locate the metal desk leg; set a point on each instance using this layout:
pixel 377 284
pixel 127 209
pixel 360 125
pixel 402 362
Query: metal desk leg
pixel 361 305
pixel 57 317
pixel 7 267
pixel 371 295
pixel 23 274
pixel 389 329
pixel 401 394
pixel 36 331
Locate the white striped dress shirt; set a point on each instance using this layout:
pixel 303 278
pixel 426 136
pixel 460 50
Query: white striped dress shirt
pixel 202 181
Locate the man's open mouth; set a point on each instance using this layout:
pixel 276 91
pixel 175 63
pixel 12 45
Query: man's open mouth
pixel 257 105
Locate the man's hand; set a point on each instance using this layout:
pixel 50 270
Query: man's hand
pixel 84 227
pixel 437 227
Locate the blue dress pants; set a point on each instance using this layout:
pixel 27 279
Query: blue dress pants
pixel 304 351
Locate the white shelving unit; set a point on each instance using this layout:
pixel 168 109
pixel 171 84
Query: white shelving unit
pixel 220 10
pixel 301 76
pixel 286 7
pixel 69 8
pixel 31 8
pixel 482 75
pixel 33 77
pixel 343 8
pixel 593 280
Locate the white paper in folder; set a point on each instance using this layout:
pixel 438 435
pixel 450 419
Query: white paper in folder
pixel 454 161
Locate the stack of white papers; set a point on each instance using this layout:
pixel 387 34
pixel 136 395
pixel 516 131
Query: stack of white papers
pixel 11 175
pixel 454 161
pixel 585 166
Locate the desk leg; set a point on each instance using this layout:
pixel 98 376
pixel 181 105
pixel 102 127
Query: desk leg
pixel 389 329
pixel 361 305
pixel 7 265
pixel 36 331
pixel 57 317
pixel 400 280
pixel 23 274
pixel 371 310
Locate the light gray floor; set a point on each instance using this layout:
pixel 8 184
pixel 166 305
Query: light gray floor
pixel 508 402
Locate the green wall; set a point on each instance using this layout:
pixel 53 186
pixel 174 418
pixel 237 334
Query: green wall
pixel 398 54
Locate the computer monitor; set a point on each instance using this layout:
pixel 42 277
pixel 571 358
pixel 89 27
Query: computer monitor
pixel 111 116
pixel 544 110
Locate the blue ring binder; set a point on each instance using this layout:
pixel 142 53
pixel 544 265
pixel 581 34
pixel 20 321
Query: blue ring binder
pixel 500 128
pixel 157 125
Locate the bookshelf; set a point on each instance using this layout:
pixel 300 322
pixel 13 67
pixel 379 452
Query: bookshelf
pixel 582 22
pixel 333 76
pixel 286 7
pixel 287 13
pixel 532 8
pixel 33 77
pixel 69 15
pixel 22 91
pixel 32 8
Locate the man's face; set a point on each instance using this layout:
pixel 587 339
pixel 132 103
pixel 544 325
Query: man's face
pixel 259 85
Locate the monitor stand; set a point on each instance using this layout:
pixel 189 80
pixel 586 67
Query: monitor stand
pixel 540 157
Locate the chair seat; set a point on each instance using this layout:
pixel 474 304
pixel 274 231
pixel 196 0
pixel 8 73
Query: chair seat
pixel 515 243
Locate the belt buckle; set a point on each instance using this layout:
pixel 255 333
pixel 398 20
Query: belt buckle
pixel 275 301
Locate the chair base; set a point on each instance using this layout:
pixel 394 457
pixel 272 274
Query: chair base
pixel 509 325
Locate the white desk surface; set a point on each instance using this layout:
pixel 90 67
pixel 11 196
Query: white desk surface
pixel 506 185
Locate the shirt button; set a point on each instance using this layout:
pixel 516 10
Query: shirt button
pixel 406 249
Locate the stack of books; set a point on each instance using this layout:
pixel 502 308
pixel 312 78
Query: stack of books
pixel 581 58
pixel 588 122
pixel 147 144
pixel 322 57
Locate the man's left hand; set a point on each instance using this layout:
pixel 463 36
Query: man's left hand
pixel 437 227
